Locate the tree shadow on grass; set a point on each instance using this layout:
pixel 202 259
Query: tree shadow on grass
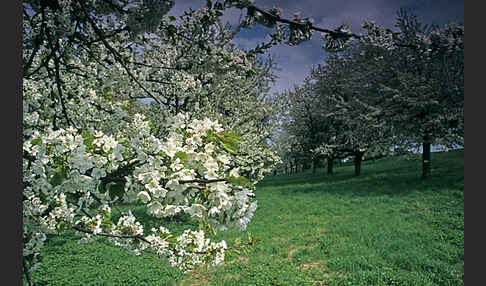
pixel 340 174
pixel 372 182
pixel 56 241
pixel 304 178
pixel 375 184
pixel 393 171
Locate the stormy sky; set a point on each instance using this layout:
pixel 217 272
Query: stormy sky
pixel 296 61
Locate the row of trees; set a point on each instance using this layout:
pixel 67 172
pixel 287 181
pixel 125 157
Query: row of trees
pixel 374 99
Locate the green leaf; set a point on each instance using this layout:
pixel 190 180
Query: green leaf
pixel 102 188
pixel 116 189
pixel 108 92
pixel 59 176
pixel 181 155
pixel 240 181
pixel 228 141
pixel 73 197
pixel 231 135
pixel 230 148
pixel 36 141
pixel 171 30
pixel 106 224
pixel 250 73
pixel 62 225
pixel 87 139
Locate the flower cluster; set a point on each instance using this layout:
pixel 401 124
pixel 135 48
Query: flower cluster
pixel 193 176
pixel 378 36
pixel 70 173
pixel 192 249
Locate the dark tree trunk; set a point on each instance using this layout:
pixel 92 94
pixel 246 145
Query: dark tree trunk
pixel 315 161
pixel 358 158
pixel 426 158
pixel 330 161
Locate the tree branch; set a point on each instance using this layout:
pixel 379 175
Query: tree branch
pixel 139 237
pixel 312 27
pixel 201 181
pixel 59 88
pixel 26 272
pixel 119 58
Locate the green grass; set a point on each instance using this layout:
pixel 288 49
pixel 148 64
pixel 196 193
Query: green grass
pixel 386 227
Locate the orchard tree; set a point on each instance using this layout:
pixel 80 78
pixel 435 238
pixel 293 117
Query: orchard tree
pixel 281 144
pixel 328 116
pixel 303 120
pixel 425 101
pixel 351 124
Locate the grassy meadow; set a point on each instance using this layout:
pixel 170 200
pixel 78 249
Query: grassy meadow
pixel 385 227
